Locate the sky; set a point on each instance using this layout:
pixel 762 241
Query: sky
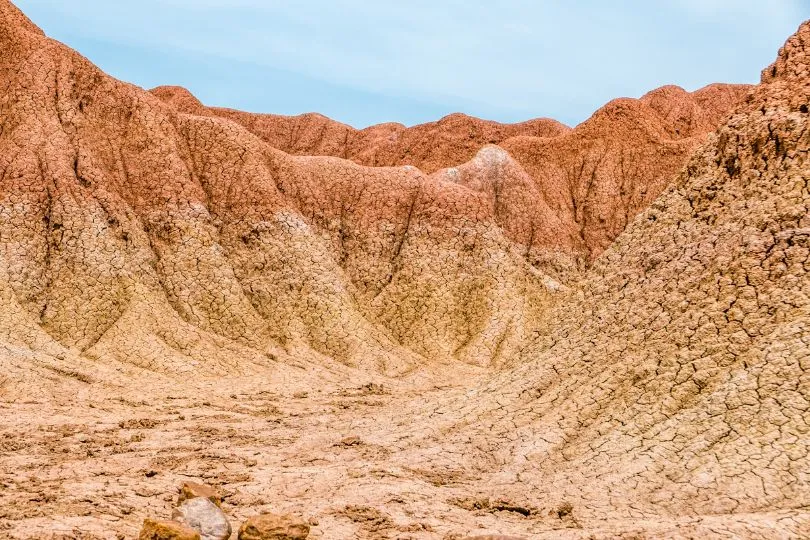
pixel 364 62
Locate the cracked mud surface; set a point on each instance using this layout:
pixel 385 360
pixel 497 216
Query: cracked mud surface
pixel 94 469
pixel 554 336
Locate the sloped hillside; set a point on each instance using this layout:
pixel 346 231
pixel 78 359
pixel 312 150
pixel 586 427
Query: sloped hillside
pixel 676 381
pixel 119 208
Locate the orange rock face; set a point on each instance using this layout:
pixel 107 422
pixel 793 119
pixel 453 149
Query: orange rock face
pixel 590 181
pixel 451 330
pixel 166 530
pixel 273 527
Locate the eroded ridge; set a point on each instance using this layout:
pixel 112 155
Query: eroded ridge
pixel 592 179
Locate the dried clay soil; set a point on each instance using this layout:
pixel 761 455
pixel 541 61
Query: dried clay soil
pixel 455 329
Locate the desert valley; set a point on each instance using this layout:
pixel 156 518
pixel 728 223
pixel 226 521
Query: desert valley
pixel 451 330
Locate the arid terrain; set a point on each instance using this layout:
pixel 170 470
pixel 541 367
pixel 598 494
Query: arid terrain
pixel 455 329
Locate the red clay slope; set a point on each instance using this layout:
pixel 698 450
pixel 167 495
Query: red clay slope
pixel 133 232
pixel 139 232
pixel 593 179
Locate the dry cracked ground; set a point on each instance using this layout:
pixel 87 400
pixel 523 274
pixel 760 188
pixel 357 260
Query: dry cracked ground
pixel 455 329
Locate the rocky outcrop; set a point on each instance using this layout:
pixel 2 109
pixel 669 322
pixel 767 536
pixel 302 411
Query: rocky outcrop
pixel 192 490
pixel 599 176
pixel 157 233
pixel 166 530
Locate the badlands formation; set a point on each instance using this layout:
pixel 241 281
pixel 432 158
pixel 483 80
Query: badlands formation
pixel 456 329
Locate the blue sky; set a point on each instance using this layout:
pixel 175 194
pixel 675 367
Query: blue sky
pixel 369 61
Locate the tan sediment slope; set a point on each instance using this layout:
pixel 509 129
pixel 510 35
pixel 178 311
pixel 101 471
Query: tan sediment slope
pixel 677 380
pixel 120 208
pixel 394 352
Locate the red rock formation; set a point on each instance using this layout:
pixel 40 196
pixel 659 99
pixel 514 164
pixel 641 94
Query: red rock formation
pixel 607 169
pixel 590 181
pixel 118 207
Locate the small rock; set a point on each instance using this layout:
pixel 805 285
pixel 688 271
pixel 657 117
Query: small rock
pixel 274 527
pixel 204 516
pixel 166 530
pixel 191 490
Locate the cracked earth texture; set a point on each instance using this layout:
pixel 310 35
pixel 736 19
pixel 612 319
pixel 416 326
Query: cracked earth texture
pixel 523 330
